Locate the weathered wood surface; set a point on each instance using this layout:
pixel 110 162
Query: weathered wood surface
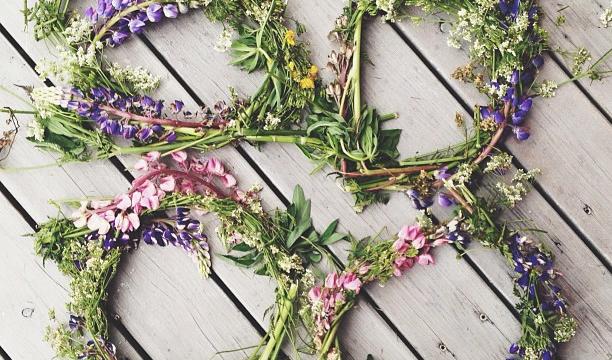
pixel 157 293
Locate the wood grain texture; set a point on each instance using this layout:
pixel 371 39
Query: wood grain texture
pixel 569 139
pixel 582 29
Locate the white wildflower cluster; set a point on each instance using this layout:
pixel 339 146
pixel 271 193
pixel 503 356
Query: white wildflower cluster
pixel 498 163
pixel 141 79
pixel 44 97
pixel 582 57
pixel 288 263
pixel 565 329
pixel 389 7
pixel 224 42
pixel 531 354
pixel 272 121
pixel 35 130
pixel 463 174
pixel 259 12
pixel 513 193
pixel 606 16
pixel 78 31
pixel 547 89
pixel 69 62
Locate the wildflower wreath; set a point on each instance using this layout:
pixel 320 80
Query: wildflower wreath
pixel 329 123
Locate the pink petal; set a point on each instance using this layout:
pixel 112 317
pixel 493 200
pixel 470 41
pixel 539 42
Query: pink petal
pixel 400 245
pixel 315 293
pixel 215 167
pixel 134 221
pixel 441 241
pixel 141 165
pixel 403 233
pixel 152 156
pixel 179 156
pixel 331 280
pixel 96 222
pixel 425 259
pixel 167 183
pixel 228 180
pixel 124 202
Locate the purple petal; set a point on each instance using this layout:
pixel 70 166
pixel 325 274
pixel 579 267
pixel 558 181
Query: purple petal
pixel 171 11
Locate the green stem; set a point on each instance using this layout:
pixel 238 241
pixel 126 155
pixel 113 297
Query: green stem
pixel 356 71
pixel 278 332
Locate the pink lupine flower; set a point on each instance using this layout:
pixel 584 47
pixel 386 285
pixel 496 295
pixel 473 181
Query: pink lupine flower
pixel 413 234
pixel 179 156
pixel 96 222
pixel 425 259
pixel 127 222
pixel 99 204
pixel 315 293
pixel 351 282
pixel 167 183
pixel 402 264
pixel 228 180
pixel 440 241
pixel 331 280
pixel 109 215
pixel 145 160
pixel 123 202
pixel 215 167
pixel 400 245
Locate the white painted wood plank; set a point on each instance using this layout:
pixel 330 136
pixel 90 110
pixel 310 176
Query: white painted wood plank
pixel 582 28
pixel 451 311
pixel 255 292
pixel 135 302
pixel 569 140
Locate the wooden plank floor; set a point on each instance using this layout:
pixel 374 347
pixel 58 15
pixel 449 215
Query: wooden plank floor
pixel 433 313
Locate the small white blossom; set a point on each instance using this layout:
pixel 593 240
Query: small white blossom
pixel 224 42
pixel 547 89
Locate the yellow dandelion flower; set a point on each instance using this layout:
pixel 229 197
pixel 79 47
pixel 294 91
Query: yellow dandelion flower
pixel 290 37
pixel 313 71
pixel 307 83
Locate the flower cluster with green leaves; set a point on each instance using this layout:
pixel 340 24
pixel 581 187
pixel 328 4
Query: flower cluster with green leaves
pixel 332 126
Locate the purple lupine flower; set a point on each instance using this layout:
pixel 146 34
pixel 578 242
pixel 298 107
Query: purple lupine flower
pixel 118 37
pixel 91 14
pixel 514 78
pixel 155 13
pixel 171 137
pixel 120 4
pixel 176 106
pixel 144 134
pixel 538 61
pixel 521 133
pixel 136 26
pixel 445 200
pixel 546 355
pixel 171 11
pixel 418 202
pixel 129 131
pixel 514 348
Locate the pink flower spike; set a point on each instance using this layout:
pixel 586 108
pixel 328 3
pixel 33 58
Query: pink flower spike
pixel 425 259
pixel 352 282
pixel 215 167
pixel 167 183
pixel 179 156
pixel 331 280
pixel 315 293
pixel 96 222
pixel 123 202
pixel 228 180
pixel 400 245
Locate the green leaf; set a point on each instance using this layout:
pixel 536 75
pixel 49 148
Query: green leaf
pixel 333 238
pixel 331 228
pixel 315 256
pixel 300 209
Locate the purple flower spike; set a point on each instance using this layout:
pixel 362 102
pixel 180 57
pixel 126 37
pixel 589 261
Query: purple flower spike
pixel 518 117
pixel 171 137
pixel 525 105
pixel 171 11
pixel 514 79
pixel 91 15
pixel 538 61
pixel 521 133
pixel 177 106
pixel 136 25
pixel 444 200
pixel 155 12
